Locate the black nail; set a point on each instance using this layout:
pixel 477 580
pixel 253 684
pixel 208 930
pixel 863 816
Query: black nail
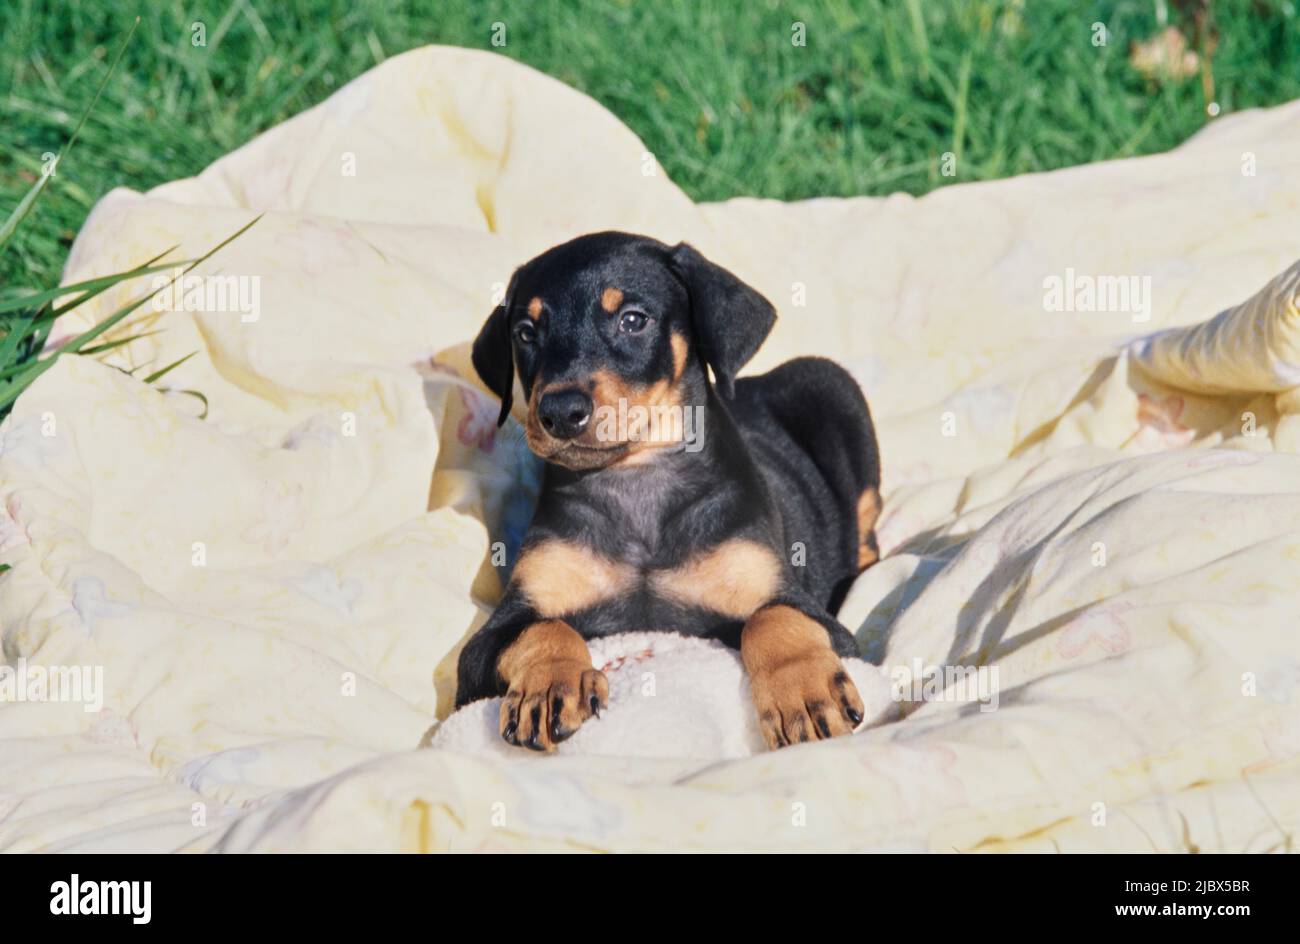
pixel 532 743
pixel 560 735
pixel 509 733
pixel 854 715
pixel 557 729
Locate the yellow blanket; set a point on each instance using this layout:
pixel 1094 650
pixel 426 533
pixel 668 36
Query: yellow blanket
pixel 1089 486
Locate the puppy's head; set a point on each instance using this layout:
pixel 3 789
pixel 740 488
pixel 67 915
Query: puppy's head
pixel 611 335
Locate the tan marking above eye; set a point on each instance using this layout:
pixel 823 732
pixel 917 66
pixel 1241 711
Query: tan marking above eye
pixel 535 309
pixel 611 298
pixel 734 579
pixel 560 577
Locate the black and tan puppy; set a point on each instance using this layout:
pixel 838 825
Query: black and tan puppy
pixel 738 510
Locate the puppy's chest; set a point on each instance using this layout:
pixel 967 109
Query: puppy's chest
pixel 626 585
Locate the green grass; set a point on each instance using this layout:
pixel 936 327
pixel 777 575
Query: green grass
pixel 717 90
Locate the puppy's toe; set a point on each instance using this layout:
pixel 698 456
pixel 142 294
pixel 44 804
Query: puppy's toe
pixel 510 716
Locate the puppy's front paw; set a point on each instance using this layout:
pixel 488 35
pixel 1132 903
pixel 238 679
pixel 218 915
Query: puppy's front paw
pixel 552 686
pixel 550 701
pixel 806 699
pixel 800 687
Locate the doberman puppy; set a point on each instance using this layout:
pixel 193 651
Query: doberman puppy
pixel 738 510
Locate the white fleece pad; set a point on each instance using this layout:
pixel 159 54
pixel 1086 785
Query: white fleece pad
pixel 670 696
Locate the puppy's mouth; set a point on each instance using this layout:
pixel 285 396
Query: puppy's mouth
pixel 571 453
pixel 579 457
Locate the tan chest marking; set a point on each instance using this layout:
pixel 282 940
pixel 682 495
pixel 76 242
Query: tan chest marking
pixel 561 578
pixel 734 579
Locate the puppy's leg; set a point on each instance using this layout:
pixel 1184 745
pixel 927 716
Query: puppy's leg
pixel 801 690
pixel 551 686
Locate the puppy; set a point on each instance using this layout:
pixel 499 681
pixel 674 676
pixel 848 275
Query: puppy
pixel 739 510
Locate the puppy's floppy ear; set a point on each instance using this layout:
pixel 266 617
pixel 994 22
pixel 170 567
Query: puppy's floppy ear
pixel 731 319
pixel 493 355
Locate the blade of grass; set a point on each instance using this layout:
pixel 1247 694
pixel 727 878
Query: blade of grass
pixel 17 332
pixel 959 110
pixel 109 345
pixel 919 36
pixel 196 395
pixel 86 296
pixel 35 328
pixel 159 374
pixel 38 299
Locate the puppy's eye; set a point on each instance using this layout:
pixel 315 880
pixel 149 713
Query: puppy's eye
pixel 525 333
pixel 632 321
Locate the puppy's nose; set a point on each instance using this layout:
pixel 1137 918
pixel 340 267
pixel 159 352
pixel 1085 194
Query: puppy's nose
pixel 565 413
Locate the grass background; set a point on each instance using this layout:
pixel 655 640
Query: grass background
pixel 716 89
